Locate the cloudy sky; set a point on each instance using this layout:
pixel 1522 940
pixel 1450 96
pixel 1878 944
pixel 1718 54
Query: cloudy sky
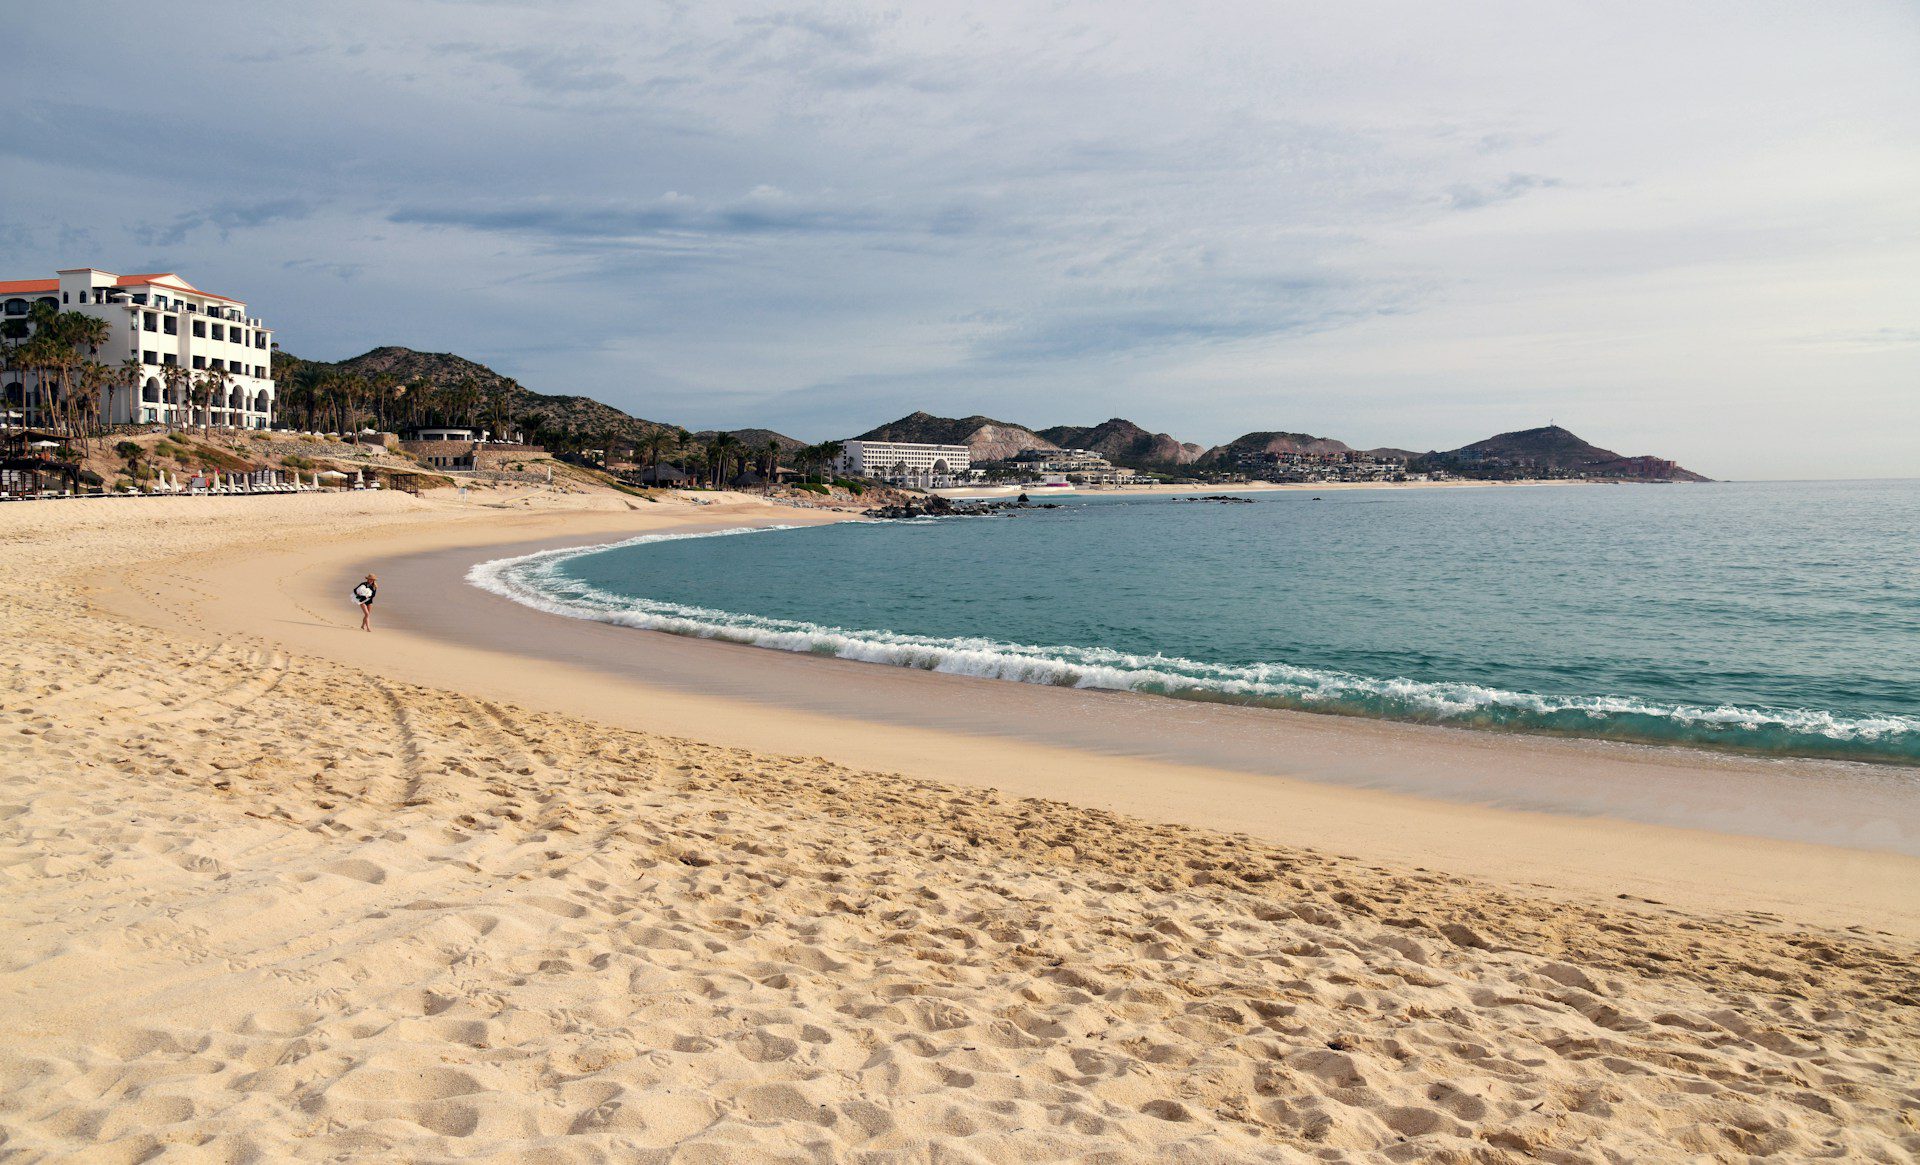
pixel 1687 229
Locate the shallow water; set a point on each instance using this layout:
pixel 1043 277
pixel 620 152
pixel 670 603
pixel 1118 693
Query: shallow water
pixel 1779 618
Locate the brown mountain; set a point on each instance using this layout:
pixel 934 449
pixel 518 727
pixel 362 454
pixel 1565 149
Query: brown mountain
pixel 986 438
pixel 1552 447
pixel 1125 443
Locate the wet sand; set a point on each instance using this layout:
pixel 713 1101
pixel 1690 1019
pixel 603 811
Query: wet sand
pixel 1829 803
pixel 1585 818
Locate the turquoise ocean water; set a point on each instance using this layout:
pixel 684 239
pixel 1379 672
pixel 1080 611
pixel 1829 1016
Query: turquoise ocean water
pixel 1779 618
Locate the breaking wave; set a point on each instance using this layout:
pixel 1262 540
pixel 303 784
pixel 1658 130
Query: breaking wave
pixel 535 580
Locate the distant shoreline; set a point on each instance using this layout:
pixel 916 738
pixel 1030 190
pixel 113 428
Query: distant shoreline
pixel 1297 486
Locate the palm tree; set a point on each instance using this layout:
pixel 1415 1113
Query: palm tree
pixel 208 387
pixel 95 378
pixel 92 334
pixel 830 452
pixel 175 379
pixel 40 355
pixel 85 331
pixel 504 394
pixel 725 446
pixel 651 447
pixel 128 376
pixel 771 458
pixel 386 390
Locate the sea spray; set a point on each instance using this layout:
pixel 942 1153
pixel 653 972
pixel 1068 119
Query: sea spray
pixel 537 580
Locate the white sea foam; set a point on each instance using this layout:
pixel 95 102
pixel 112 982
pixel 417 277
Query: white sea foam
pixel 536 581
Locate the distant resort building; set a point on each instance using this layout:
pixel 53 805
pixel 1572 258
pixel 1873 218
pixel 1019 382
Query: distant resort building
pixel 1080 466
pixel 161 322
pixel 905 462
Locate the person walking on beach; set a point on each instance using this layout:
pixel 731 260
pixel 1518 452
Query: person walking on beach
pixel 363 594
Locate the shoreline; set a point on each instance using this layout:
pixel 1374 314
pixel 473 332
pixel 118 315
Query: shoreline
pixel 1058 667
pixel 1297 486
pixel 1467 802
pixel 959 493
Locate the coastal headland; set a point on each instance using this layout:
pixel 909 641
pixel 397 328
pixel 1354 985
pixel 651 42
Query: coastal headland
pixel 493 883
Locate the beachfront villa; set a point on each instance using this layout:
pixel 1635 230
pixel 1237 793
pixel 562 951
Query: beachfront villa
pixel 162 322
pixel 905 462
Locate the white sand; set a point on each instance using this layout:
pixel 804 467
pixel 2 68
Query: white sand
pixel 270 906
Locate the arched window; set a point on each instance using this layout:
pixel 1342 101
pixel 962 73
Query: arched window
pixel 150 391
pixel 16 307
pixel 260 403
pixel 49 301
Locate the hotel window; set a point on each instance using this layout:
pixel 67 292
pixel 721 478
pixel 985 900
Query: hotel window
pixel 149 358
pixel 199 361
pixel 200 328
pixel 170 325
pixel 219 333
pixel 150 321
pixel 169 358
pixel 259 339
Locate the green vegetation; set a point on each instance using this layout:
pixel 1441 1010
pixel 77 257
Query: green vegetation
pixel 210 456
pixel 813 487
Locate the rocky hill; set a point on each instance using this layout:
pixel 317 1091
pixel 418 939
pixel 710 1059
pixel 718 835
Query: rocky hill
pixel 1272 442
pixel 1552 447
pixel 753 438
pixel 986 438
pixel 1125 443
pixel 568 418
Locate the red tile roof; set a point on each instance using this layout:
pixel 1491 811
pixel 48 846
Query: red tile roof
pixel 43 286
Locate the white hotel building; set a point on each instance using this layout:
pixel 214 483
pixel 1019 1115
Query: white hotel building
pixel 162 321
pixel 905 463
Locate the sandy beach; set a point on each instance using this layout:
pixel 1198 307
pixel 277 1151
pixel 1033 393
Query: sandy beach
pixel 489 884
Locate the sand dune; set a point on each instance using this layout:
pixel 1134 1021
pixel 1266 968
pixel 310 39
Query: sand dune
pixel 260 907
